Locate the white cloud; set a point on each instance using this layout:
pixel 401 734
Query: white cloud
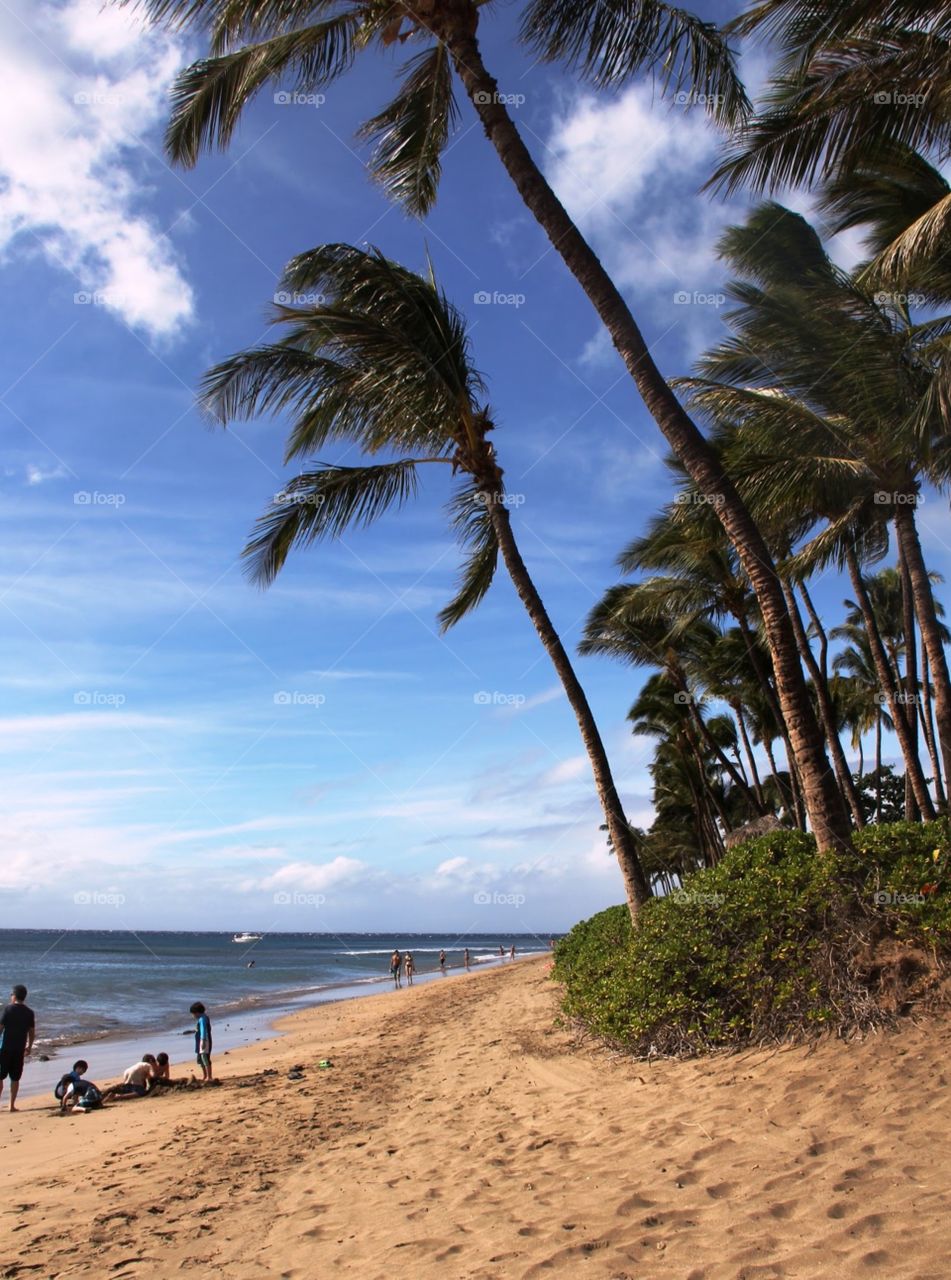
pixel 82 85
pixel 39 475
pixel 310 877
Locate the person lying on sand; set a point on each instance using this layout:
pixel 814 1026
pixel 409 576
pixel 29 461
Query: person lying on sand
pixel 136 1080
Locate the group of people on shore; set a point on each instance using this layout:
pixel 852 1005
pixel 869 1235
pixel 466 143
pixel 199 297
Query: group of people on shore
pixel 404 964
pixel 74 1091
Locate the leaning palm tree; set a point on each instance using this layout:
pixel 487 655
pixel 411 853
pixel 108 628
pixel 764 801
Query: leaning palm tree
pixel 310 43
pixel 384 364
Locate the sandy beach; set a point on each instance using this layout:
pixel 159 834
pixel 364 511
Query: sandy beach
pixel 461 1133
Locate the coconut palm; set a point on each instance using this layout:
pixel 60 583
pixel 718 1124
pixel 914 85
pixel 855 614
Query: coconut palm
pixel 310 43
pixel 852 78
pixel 824 396
pixel 385 365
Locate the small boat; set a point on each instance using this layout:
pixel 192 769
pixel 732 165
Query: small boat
pixel 247 937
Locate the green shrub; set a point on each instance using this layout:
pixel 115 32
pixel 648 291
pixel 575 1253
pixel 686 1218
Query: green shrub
pixel 766 946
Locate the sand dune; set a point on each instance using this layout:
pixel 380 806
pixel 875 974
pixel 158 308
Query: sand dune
pixel 461 1135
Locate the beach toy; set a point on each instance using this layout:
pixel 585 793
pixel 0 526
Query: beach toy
pixel 325 1062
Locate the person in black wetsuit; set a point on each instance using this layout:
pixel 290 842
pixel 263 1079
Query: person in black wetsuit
pixel 17 1030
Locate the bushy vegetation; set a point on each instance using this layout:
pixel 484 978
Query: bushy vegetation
pixel 776 942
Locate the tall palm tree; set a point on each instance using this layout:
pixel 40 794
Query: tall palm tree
pixel 311 42
pixel 385 364
pixel 825 398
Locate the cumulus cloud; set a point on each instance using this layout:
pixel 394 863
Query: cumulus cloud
pixel 82 86
pixel 629 172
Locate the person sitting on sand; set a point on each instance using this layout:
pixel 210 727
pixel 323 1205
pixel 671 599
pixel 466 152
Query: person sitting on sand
pixel 409 964
pixel 17 1030
pixel 202 1041
pixel 136 1080
pixel 396 964
pixel 73 1087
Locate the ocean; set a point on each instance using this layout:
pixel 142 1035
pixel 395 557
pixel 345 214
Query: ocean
pixel 91 985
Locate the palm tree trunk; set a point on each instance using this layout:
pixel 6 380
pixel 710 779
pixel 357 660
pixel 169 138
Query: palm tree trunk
pixel 878 765
pixel 927 723
pixel 635 882
pixel 820 631
pixel 827 812
pixel 911 696
pixel 911 554
pixel 769 692
pixel 722 758
pixel 861 757
pixel 750 757
pixel 826 715
pixel 887 682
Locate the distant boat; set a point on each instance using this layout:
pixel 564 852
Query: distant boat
pixel 247 937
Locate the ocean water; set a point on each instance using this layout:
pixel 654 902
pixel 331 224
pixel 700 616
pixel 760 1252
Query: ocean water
pixel 93 985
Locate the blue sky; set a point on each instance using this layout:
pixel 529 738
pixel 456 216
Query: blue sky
pixel 183 750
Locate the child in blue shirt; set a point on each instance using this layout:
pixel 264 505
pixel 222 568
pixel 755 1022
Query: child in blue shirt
pixel 202 1040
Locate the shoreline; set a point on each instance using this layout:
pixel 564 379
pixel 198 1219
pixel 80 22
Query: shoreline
pixel 110 1054
pixel 462 1132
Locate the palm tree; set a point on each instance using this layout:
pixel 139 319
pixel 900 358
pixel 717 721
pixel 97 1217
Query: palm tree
pixel 857 688
pixel 312 42
pixel 385 365
pixel 825 400
pixel 853 78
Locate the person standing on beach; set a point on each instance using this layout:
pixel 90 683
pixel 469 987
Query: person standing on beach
pixel 17 1030
pixel 396 964
pixel 465 958
pixel 512 952
pixel 442 961
pixel 409 964
pixel 501 952
pixel 202 1041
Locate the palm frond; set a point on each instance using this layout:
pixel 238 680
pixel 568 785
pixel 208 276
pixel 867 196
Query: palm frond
pixel 608 43
pixel 324 503
pixel 411 133
pixel 472 523
pixel 209 97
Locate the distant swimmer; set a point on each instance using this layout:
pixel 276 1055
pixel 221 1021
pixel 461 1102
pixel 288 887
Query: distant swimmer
pixel 250 964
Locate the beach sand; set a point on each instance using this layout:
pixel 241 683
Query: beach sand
pixel 461 1134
